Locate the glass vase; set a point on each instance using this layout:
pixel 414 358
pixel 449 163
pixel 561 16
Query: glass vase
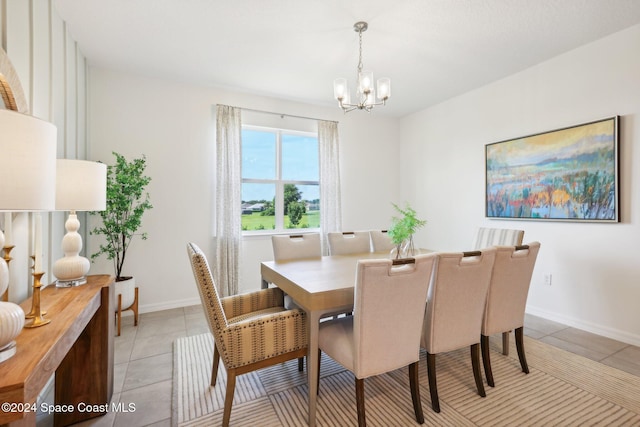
pixel 408 250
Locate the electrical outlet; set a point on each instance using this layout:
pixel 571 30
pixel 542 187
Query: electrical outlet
pixel 547 279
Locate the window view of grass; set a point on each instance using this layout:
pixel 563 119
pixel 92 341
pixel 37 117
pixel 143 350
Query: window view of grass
pixel 257 221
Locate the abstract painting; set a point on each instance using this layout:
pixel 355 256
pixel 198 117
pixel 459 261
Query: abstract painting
pixel 566 174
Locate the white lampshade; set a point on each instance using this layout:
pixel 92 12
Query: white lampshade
pixel 81 185
pixel 27 163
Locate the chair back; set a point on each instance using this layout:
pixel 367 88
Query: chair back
pixel 208 293
pixel 296 246
pixel 349 242
pixel 380 241
pixel 387 315
pixel 456 300
pixel 507 295
pixel 487 237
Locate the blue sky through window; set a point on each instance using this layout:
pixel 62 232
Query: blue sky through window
pixel 299 163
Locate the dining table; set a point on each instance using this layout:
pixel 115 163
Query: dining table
pixel 321 286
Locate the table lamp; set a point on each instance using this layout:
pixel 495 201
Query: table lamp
pixel 80 186
pixel 27 183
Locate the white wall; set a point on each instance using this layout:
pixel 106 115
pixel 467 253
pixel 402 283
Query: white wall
pixel 52 73
pixel 173 125
pixel 595 269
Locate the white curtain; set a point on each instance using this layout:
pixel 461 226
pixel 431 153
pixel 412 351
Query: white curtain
pixel 330 200
pixel 228 199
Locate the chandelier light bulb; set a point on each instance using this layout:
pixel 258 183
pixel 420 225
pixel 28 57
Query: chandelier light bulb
pixel 340 88
pixel 384 88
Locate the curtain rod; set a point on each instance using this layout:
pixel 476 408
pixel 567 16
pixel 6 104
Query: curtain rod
pixel 283 115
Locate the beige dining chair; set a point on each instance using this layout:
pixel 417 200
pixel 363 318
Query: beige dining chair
pixel 455 306
pixel 296 246
pixel 292 247
pixel 250 331
pixel 383 334
pixel 380 241
pixel 349 242
pixel 487 237
pixel 507 299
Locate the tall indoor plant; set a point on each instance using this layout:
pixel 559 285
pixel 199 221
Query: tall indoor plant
pixel 127 201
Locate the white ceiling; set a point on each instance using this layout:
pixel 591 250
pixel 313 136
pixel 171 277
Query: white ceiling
pixel 293 49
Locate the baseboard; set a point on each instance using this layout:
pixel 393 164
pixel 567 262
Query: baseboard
pixel 150 308
pixel 604 331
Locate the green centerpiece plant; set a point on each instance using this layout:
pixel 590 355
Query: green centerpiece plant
pixel 402 230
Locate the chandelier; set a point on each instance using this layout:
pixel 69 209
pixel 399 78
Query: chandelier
pixel 365 98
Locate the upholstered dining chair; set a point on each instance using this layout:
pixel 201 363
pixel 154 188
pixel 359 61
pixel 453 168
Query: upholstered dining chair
pixel 296 246
pixel 292 247
pixel 349 242
pixel 507 298
pixel 383 334
pixel 380 241
pixel 455 306
pixel 250 331
pixel 487 237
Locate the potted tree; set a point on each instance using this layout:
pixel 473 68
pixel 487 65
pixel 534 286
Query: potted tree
pixel 127 201
pixel 402 230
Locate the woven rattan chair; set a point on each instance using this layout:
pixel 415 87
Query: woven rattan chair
pixel 384 332
pixel 455 306
pixel 507 299
pixel 250 331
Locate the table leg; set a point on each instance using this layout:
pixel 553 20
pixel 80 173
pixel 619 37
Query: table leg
pixel 312 363
pixel 264 284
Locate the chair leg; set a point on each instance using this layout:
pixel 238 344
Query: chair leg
pixel 475 363
pixel 520 348
pixel 300 364
pixel 318 372
pixel 362 422
pixel 119 313
pixel 134 307
pixel 214 369
pixel 486 359
pixel 505 343
pixel 433 387
pixel 414 383
pixel 228 398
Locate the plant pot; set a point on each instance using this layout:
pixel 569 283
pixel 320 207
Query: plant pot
pixel 126 288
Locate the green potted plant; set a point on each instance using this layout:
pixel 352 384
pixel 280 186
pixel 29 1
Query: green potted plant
pixel 402 230
pixel 127 201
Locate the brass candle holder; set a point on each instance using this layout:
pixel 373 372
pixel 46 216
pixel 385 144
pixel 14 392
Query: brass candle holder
pixel 7 258
pixel 36 314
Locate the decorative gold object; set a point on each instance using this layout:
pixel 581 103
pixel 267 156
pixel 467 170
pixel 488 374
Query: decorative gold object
pixel 7 258
pixel 35 313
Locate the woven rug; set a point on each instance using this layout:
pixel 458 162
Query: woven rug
pixel 562 389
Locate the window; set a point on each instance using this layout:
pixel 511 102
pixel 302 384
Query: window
pixel 280 180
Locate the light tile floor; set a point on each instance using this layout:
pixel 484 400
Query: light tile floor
pixel 143 359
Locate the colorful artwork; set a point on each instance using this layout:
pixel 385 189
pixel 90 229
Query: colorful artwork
pixel 566 174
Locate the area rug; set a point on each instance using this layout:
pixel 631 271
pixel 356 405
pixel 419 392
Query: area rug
pixel 562 389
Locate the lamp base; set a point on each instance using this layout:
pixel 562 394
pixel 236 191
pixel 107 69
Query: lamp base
pixel 7 351
pixel 71 283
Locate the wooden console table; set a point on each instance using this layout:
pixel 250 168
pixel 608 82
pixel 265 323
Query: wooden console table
pixel 77 346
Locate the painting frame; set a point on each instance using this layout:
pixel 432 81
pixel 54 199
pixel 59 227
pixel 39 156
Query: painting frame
pixel 565 174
